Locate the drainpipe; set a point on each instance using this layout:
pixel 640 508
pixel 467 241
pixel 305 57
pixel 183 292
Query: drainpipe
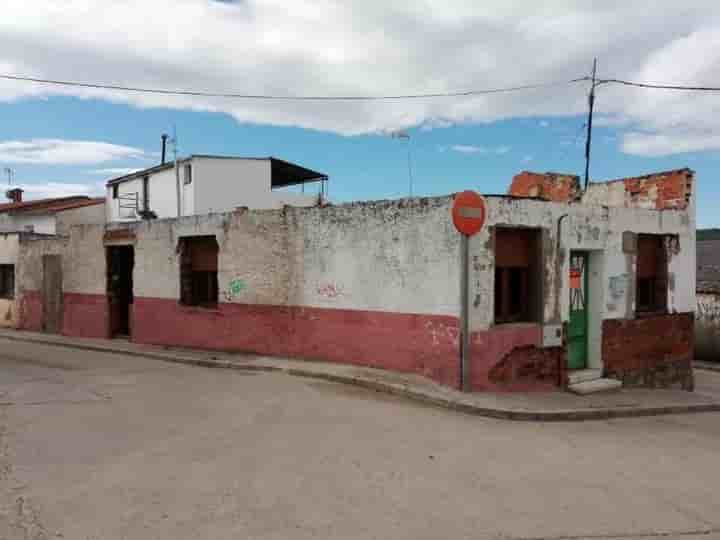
pixel 563 367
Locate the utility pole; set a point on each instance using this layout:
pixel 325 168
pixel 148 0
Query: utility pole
pixel 177 171
pixel 591 103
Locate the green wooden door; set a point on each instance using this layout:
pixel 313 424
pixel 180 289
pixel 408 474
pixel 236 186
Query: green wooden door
pixel 578 326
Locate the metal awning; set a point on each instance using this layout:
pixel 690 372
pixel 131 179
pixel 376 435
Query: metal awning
pixel 288 174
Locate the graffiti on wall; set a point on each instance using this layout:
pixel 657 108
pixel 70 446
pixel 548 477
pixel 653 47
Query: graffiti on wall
pixel 329 290
pixel 708 308
pixel 235 287
pixel 442 333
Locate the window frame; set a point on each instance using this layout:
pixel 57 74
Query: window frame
pixel 7 284
pixel 187 174
pixel 198 287
pixel 525 306
pixel 655 286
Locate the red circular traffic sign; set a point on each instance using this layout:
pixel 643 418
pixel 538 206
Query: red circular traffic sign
pixel 469 212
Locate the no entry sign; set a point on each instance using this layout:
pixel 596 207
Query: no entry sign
pixel 469 212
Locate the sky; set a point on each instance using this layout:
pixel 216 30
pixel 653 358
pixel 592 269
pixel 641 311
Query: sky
pixel 65 140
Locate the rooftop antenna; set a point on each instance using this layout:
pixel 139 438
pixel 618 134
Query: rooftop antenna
pixel 10 175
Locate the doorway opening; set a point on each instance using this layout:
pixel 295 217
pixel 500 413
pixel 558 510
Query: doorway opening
pixel 120 263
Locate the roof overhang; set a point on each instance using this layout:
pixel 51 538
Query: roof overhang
pixel 285 173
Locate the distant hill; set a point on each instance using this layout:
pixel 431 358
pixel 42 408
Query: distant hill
pixel 708 234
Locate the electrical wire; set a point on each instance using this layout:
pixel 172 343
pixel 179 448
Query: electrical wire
pixel 658 86
pixel 288 98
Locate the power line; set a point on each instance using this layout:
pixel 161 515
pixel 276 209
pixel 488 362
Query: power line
pixel 658 86
pixel 288 98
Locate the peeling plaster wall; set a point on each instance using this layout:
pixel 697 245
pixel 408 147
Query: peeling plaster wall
pixel 591 228
pixel 404 257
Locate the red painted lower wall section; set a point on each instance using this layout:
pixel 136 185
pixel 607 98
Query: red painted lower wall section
pixel 30 315
pixel 509 358
pixel 86 315
pixel 504 358
pixel 652 351
pixel 423 344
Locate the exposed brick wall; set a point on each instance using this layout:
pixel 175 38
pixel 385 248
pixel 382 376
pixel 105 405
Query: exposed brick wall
pixel 661 191
pixel 547 186
pixel 527 367
pixel 653 351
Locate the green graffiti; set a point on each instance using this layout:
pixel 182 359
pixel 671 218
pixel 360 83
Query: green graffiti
pixel 237 286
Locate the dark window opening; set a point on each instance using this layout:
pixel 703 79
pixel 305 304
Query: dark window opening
pixel 188 174
pixel 7 281
pixel 517 285
pixel 198 271
pixel 115 192
pixel 651 278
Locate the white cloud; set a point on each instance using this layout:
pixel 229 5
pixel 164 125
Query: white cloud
pixel 61 189
pixel 115 171
pixel 64 152
pixel 656 144
pixel 367 47
pixel 468 149
pixel 472 149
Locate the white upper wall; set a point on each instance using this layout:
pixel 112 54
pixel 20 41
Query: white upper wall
pixel 221 185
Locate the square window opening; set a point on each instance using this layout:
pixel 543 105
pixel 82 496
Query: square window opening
pixel 518 276
pixel 187 175
pixel 198 271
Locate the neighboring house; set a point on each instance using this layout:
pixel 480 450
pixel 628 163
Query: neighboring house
pixel 707 315
pixel 207 184
pixel 48 216
pixel 565 284
pixel 24 221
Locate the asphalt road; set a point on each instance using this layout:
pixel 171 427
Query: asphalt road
pixel 102 446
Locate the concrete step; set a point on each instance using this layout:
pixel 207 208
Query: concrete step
pixel 584 375
pixel 595 386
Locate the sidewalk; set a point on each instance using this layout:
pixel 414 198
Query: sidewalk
pixel 546 406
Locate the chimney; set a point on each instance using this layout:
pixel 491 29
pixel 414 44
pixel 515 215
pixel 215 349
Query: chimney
pixel 164 138
pixel 15 195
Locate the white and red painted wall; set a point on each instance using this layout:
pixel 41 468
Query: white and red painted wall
pixel 378 284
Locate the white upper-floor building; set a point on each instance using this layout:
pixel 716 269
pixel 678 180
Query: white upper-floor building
pixel 203 184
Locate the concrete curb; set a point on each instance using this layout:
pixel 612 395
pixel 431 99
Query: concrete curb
pixel 400 390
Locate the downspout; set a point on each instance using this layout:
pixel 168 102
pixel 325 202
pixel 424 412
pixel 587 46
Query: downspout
pixel 563 361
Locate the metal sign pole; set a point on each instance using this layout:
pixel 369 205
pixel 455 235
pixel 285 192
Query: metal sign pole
pixel 464 313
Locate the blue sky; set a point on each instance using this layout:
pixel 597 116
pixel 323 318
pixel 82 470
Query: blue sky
pixel 63 140
pixel 444 159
